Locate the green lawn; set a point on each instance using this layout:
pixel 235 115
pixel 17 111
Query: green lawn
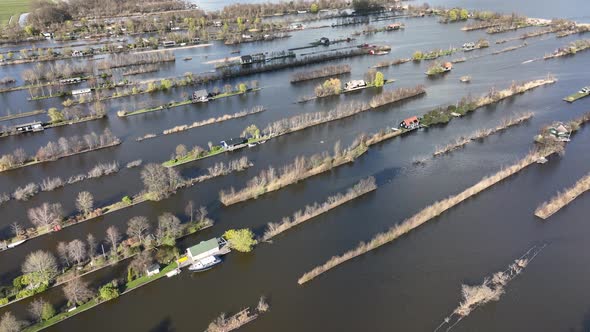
pixel 12 7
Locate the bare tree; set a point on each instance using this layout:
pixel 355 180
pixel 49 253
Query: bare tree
pixel 77 292
pixel 92 245
pixel 62 252
pixel 77 251
pixel 84 202
pixel 113 237
pixel 41 267
pixel 137 227
pixel 189 210
pixel 16 229
pixel 141 262
pixel 36 309
pixel 169 227
pixel 159 181
pixel 46 214
pixel 9 323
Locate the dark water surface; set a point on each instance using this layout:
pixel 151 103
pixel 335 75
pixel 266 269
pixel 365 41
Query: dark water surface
pixel 410 285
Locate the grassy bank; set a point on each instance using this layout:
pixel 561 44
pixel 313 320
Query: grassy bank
pixel 559 201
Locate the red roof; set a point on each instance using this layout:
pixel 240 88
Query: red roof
pixel 409 121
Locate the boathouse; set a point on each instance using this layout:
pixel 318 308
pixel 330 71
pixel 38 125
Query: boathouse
pixel 203 249
pixel 233 143
pixel 246 59
pixel 200 96
pixel 410 123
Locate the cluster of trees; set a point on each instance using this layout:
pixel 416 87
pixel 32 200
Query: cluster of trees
pixel 124 60
pixel 330 87
pixel 319 73
pixel 223 324
pixel 272 179
pixel 392 96
pixel 456 14
pixel 50 72
pixel 160 181
pixel 76 113
pixel 62 148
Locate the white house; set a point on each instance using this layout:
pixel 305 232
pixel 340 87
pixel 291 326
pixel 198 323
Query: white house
pixel 153 270
pixel 203 249
pixel 355 84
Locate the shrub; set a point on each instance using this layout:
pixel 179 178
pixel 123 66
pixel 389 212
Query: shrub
pixel 109 291
pixel 3 301
pixel 127 200
pixel 241 239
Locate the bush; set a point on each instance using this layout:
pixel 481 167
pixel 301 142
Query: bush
pixel 3 301
pixel 241 239
pixel 109 291
pixel 166 254
pixel 48 311
pixel 127 200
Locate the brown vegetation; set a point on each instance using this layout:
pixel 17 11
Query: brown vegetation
pixel 423 216
pixel 124 60
pixel 557 202
pixel 302 168
pixel 482 133
pixel 319 73
pixel 311 211
pixel 392 96
pixel 226 324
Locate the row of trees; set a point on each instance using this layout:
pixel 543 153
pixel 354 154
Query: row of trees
pixel 62 148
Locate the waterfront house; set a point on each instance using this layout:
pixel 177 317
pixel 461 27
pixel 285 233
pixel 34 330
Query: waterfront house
pixel 394 26
pixel 169 43
pixel 217 24
pixel 152 270
pixel 29 127
pixel 233 143
pixel 246 59
pixel 203 249
pixel 200 96
pixel 325 41
pixel 410 123
pixel 77 53
pixel 81 91
pixel 73 80
pixel 355 84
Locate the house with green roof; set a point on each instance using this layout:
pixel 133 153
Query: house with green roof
pixel 203 249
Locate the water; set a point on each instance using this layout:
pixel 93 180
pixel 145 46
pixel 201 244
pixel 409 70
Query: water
pixel 410 285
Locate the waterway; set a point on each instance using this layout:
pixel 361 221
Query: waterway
pixel 409 285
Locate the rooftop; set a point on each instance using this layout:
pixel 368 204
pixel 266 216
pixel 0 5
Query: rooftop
pixel 203 246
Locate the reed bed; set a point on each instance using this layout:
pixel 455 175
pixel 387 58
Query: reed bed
pixel 509 49
pixel 489 290
pixel 557 202
pixel 320 73
pixel 311 211
pixel 226 117
pixel 395 62
pixel 226 324
pixel 302 168
pixel 392 96
pixel 482 133
pixel 425 215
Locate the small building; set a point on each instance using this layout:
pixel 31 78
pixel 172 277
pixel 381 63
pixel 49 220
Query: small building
pixel 325 41
pixel 297 26
pixel 73 80
pixel 447 66
pixel 468 46
pixel 245 36
pixel 169 43
pixel 29 127
pixel 200 96
pixel 196 40
pixel 302 12
pixel 203 249
pixel 410 123
pixel 80 91
pixel 152 270
pixel 77 53
pixel 233 143
pixel 393 27
pixel 47 35
pixel 355 84
pixel 246 59
pixel 218 24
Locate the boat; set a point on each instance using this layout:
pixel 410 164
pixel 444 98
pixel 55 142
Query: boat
pixel 14 244
pixel 235 52
pixel 204 264
pixel 173 273
pixel 188 58
pixel 465 79
pixel 251 145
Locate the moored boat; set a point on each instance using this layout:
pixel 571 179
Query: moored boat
pixel 204 264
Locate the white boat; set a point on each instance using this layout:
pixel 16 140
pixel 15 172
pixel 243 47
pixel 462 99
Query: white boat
pixel 14 244
pixel 173 273
pixel 204 264
pixel 251 145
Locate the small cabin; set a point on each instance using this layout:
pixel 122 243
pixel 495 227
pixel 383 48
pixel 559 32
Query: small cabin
pixel 152 270
pixel 77 53
pixel 355 84
pixel 394 26
pixel 200 96
pixel 29 127
pixel 203 249
pixel 80 91
pixel 217 24
pixel 246 59
pixel 258 57
pixel 410 123
pixel 169 43
pixel 468 46
pixel 297 26
pixel 302 12
pixel 325 41
pixel 233 143
pixel 73 80
pixel 245 36
pixel 447 66
pixel 196 40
